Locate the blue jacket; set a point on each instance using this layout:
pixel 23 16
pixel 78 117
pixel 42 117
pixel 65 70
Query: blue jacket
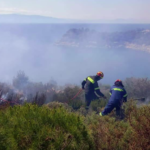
pixel 118 93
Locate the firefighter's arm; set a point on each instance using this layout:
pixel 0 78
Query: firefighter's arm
pixel 98 92
pixel 110 92
pixel 125 96
pixel 83 83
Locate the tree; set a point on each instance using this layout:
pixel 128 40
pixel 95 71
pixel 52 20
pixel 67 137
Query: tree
pixel 21 80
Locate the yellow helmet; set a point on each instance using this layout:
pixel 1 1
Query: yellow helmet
pixel 100 74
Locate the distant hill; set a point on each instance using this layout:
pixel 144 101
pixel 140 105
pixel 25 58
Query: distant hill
pixel 134 39
pixel 16 18
pixel 19 18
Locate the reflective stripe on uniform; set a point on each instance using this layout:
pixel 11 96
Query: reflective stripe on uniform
pixel 125 95
pixel 117 89
pixel 110 93
pixel 97 88
pixel 91 80
pixel 100 114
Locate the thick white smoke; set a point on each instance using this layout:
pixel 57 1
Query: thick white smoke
pixel 31 48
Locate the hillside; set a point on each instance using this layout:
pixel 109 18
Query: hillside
pixel 18 18
pixel 21 18
pixel 134 39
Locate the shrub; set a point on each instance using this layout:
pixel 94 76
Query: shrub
pixel 128 134
pixel 137 87
pixel 110 134
pixel 139 120
pixel 39 99
pixel 67 95
pixel 97 105
pixel 54 104
pixel 33 127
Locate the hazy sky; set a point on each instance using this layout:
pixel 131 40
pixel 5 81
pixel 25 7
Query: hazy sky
pixel 80 9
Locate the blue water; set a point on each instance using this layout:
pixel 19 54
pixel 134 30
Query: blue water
pixel 31 48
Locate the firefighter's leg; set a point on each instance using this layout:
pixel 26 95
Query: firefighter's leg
pixel 109 107
pixel 119 111
pixel 87 101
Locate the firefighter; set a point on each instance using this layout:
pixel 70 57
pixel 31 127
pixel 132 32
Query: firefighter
pixel 92 90
pixel 118 96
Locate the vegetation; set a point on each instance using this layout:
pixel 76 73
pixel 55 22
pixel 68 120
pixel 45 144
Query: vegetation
pixel 33 127
pixel 57 126
pixel 50 119
pixel 137 87
pixel 130 133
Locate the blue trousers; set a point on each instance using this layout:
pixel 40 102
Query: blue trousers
pixel 90 97
pixel 111 105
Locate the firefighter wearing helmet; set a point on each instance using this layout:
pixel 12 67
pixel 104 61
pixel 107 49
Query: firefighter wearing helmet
pixel 92 90
pixel 118 96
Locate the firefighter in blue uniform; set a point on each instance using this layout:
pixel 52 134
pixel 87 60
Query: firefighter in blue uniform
pixel 92 90
pixel 118 96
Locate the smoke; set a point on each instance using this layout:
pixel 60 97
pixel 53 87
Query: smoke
pixel 12 50
pixel 147 101
pixel 31 48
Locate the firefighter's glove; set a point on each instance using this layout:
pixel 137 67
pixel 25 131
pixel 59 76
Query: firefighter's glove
pixel 83 88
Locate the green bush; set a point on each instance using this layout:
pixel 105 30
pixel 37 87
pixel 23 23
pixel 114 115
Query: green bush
pixel 54 104
pixel 131 133
pixel 139 120
pixel 41 128
pixel 97 105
